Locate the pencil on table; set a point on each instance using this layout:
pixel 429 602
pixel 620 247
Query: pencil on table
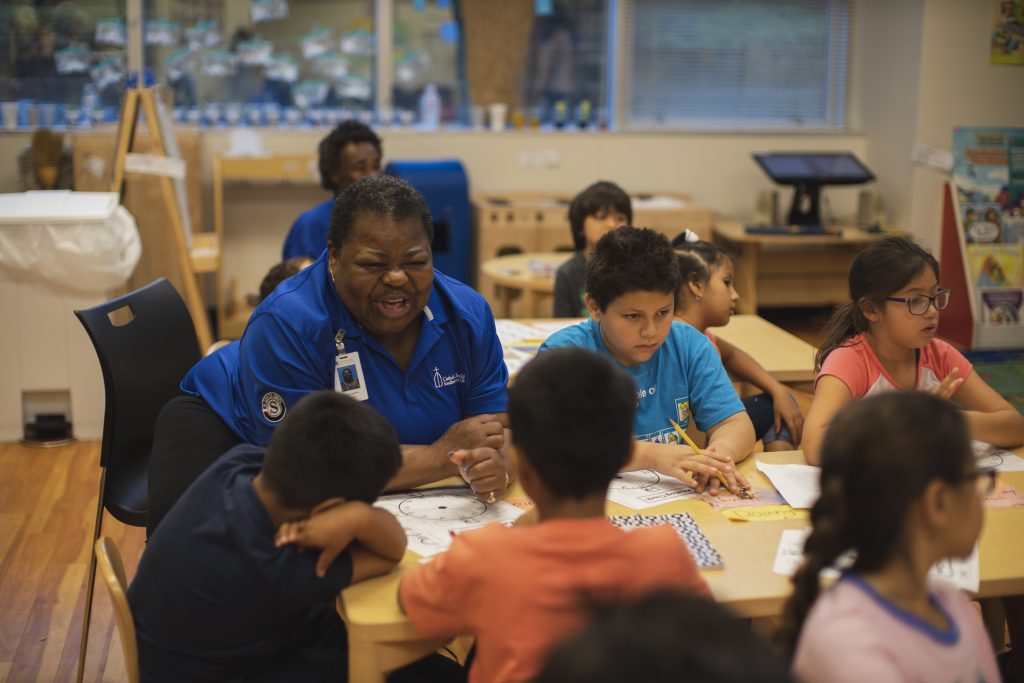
pixel 698 451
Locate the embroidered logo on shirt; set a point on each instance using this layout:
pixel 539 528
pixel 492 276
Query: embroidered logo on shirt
pixel 441 381
pixel 682 411
pixel 273 406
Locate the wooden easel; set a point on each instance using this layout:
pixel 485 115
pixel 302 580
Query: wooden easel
pixel 164 145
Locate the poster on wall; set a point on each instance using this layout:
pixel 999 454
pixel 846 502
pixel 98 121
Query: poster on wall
pixel 1008 32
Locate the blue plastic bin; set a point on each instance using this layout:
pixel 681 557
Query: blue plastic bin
pixel 444 185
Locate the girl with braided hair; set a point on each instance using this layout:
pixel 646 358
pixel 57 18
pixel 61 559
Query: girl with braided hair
pixel 900 490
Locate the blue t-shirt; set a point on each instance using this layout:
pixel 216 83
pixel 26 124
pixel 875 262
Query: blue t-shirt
pixel 308 234
pixel 213 598
pixel 684 376
pixel 288 350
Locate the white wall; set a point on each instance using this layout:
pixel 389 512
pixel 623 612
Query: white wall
pixel 716 170
pixel 887 48
pixel 925 69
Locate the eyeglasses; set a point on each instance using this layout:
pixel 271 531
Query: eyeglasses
pixel 918 305
pixel 985 480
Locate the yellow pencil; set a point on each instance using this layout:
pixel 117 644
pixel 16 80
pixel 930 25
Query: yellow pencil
pixel 698 451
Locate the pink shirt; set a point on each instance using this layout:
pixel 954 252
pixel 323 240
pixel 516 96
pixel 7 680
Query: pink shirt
pixel 857 366
pixel 518 590
pixel 854 635
pixel 714 342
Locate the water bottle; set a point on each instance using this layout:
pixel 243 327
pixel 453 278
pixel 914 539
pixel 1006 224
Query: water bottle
pixel 90 101
pixel 430 108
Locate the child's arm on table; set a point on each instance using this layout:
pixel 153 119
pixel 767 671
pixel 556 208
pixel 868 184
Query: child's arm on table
pixel 990 417
pixel 830 394
pixel 378 541
pixel 740 364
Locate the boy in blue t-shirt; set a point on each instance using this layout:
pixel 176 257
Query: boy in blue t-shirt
pixel 632 279
pixel 224 591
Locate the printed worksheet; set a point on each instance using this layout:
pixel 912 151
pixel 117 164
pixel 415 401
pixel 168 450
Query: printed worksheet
pixel 746 498
pixel 986 455
pixel 798 484
pixel 512 332
pixel 963 573
pixel 647 488
pixel 431 517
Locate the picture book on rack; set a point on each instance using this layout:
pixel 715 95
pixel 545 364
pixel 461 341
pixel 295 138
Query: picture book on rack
pixel 982 222
pixel 1002 306
pixel 996 265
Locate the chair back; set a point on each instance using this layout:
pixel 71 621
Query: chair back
pixel 146 342
pixel 108 561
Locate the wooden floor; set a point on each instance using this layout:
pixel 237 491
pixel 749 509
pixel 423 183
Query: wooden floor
pixel 47 509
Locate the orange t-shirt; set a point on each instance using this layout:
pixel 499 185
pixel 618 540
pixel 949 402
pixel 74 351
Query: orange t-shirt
pixel 518 590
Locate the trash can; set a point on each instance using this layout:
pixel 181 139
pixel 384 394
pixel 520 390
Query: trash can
pixel 444 185
pixel 59 250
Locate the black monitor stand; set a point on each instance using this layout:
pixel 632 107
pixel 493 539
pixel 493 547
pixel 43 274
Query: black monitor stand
pixel 806 208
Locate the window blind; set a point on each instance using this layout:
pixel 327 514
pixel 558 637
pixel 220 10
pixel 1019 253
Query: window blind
pixel 736 64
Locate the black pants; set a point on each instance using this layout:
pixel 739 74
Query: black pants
pixel 188 438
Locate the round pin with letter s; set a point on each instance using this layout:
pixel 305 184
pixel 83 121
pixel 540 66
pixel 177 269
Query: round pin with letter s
pixel 273 407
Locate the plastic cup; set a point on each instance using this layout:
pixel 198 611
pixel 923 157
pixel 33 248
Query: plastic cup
pixel 9 110
pixel 498 112
pixel 476 117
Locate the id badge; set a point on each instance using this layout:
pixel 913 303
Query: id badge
pixel 348 376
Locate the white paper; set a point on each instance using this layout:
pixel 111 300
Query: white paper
pixel 154 164
pixel 964 574
pixel 512 332
pixel 986 455
pixel 790 551
pixel 647 488
pixel 798 484
pixel 431 517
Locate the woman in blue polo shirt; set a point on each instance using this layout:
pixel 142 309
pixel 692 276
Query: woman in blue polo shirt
pixel 371 318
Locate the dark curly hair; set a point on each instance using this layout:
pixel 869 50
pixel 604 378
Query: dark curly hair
pixel 601 196
pixel 346 132
pixel 381 195
pixel 631 259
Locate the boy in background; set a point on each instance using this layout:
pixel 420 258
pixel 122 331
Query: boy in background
pixel 520 589
pixel 223 590
pixel 599 208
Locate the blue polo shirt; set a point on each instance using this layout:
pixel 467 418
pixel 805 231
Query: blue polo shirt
pixel 288 351
pixel 684 376
pixel 308 234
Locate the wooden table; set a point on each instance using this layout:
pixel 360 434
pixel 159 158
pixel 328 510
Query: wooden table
pixel 382 639
pixel 533 274
pixel 791 270
pixel 786 357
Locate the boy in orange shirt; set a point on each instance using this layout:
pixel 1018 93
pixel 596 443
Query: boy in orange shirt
pixel 519 590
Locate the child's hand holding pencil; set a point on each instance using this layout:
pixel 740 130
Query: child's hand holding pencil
pixel 734 482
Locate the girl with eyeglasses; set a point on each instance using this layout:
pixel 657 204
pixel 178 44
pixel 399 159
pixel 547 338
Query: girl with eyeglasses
pixel 884 340
pixel 900 489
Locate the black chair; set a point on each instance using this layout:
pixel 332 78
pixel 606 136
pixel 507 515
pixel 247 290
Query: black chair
pixel 146 342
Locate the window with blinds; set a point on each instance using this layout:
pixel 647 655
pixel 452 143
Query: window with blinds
pixel 735 64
